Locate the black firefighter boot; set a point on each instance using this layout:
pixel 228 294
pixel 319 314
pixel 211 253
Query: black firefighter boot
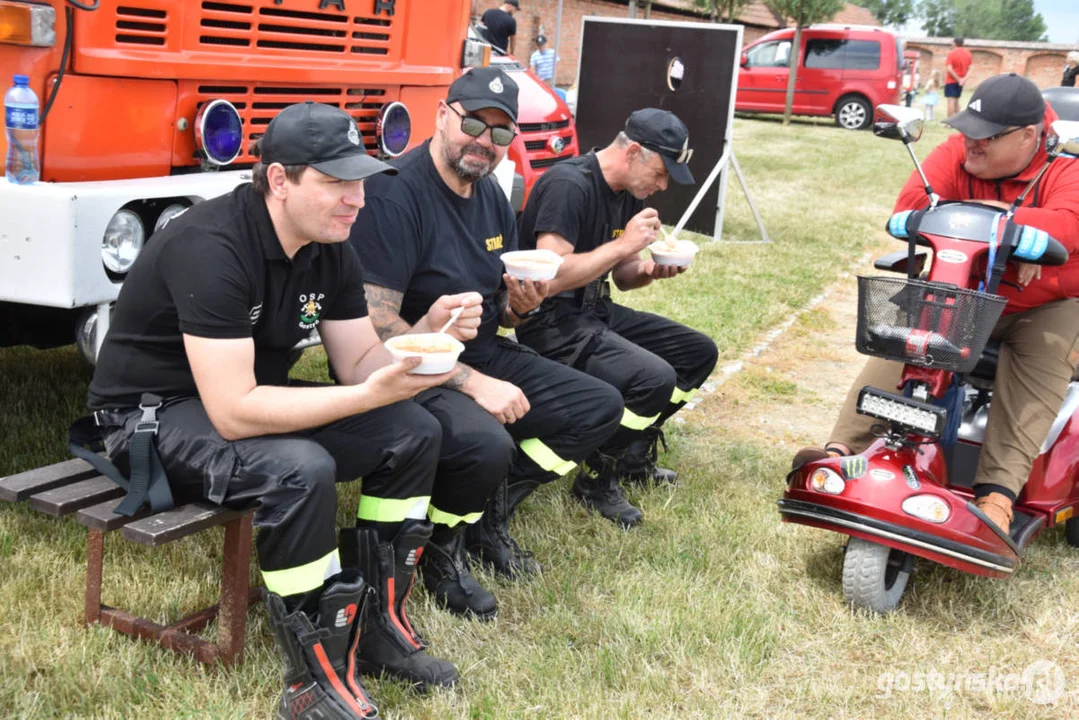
pixel 447 577
pixel 638 464
pixel 341 609
pixel 388 643
pixel 596 486
pixel 313 688
pixel 489 538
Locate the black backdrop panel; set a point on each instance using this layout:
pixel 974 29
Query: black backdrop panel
pixel 625 66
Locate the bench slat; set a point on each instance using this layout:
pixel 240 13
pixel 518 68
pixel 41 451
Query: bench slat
pixel 177 523
pixel 14 488
pixel 69 498
pixel 101 516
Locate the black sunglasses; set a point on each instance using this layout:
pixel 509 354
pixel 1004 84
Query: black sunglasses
pixel 474 127
pixel 1000 134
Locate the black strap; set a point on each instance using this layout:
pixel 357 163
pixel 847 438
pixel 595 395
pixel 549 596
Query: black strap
pixel 1007 242
pixel 913 222
pixel 148 483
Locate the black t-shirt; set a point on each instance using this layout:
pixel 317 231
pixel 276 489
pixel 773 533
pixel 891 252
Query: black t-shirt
pixel 574 200
pixel 500 27
pixel 416 236
pixel 218 271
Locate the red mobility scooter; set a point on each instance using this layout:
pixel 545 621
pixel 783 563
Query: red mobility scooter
pixel 909 494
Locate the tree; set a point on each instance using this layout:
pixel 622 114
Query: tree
pixel 938 17
pixel 731 9
pixel 803 13
pixel 888 12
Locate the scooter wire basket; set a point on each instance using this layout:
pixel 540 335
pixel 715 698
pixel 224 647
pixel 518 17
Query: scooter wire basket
pixel 921 323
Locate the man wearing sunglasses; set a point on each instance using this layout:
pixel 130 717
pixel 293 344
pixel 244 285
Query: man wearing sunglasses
pixel 511 420
pixel 591 211
pixel 999 148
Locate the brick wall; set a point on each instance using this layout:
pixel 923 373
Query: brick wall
pixel 1041 62
pixel 537 15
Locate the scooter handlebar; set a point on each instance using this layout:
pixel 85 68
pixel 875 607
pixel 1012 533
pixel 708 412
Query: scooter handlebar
pixel 1038 247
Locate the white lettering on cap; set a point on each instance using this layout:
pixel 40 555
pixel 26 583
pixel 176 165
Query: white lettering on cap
pixel 496 86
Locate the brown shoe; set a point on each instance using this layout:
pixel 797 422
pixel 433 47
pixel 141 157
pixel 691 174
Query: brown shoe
pixel 998 508
pixel 812 453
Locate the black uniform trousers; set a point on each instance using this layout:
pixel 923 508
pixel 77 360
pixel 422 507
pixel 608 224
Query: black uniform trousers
pixel 292 478
pixel 655 363
pixel 570 415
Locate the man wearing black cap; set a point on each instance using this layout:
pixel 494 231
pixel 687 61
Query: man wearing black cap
pixel 501 27
pixel 591 211
pixel 998 151
pixel 511 420
pixel 198 353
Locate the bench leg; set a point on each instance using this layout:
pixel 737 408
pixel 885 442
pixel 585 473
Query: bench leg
pixel 95 550
pixel 235 598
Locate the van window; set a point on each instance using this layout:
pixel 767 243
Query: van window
pixel 770 54
pixel 840 54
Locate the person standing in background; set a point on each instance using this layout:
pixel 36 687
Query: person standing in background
pixel 501 27
pixel 542 61
pixel 931 95
pixel 1071 69
pixel 956 69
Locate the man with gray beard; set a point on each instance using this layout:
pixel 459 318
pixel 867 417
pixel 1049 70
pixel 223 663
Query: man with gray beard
pixel 511 419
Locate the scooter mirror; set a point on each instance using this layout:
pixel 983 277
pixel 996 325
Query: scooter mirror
pixel 1062 139
pixel 897 122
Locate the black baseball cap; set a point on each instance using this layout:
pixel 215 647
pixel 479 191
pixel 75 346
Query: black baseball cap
pixel 541 39
pixel 663 132
pixel 485 87
pixel 514 3
pixel 1001 102
pixel 321 136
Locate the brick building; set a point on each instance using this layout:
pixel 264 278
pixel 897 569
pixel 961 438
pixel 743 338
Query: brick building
pixel 1041 62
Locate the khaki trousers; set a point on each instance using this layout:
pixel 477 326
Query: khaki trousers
pixel 1038 356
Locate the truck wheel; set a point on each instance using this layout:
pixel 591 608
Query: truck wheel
pixel 875 576
pixel 853 112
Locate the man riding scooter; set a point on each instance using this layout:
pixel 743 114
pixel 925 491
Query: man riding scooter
pixel 999 150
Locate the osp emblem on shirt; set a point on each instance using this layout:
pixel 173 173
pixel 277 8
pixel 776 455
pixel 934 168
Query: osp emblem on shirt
pixel 496 86
pixel 310 310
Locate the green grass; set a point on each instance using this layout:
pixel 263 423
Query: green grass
pixel 712 609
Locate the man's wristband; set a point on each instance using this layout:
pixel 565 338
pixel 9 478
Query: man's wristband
pixel 531 313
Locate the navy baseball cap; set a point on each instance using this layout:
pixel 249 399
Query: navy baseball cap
pixel 662 132
pixel 999 103
pixel 323 137
pixel 485 87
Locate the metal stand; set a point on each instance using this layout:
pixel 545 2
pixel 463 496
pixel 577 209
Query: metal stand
pixel 721 202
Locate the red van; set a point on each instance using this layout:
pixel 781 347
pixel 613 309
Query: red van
pixel 843 70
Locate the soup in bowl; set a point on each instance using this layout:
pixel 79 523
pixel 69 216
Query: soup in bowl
pixel 673 252
pixel 438 352
pixel 532 264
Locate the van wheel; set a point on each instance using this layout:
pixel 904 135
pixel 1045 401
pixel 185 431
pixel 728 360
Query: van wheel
pixel 853 112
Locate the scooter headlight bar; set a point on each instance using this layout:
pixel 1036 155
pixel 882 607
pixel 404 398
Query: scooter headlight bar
pixel 924 419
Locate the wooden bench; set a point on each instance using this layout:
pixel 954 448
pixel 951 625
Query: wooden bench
pixel 75 487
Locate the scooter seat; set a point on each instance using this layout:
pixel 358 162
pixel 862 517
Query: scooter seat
pixel 986 369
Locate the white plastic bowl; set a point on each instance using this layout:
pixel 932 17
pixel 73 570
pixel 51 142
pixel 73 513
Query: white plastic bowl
pixel 438 351
pixel 681 254
pixel 532 264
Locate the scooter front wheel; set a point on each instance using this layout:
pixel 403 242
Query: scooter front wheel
pixel 875 576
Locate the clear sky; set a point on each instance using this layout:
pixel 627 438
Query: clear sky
pixel 1061 21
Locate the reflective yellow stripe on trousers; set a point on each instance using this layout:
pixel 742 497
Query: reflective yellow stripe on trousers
pixel 377 509
pixel 633 421
pixel 441 516
pixel 680 396
pixel 292 581
pixel 545 457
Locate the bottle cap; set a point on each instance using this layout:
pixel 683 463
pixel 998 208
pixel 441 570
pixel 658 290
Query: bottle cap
pixel 22 79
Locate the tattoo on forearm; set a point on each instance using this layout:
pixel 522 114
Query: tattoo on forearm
pixel 384 308
pixel 459 378
pixel 506 317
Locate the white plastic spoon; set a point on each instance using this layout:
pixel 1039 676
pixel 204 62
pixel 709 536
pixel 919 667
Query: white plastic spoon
pixel 453 318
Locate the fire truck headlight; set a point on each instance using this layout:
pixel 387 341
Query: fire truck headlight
pixel 219 131
pixel 394 128
pixel 168 214
pixel 124 238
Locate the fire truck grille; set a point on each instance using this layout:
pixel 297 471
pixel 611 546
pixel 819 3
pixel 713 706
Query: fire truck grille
pixel 261 25
pixel 258 104
pixel 141 26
